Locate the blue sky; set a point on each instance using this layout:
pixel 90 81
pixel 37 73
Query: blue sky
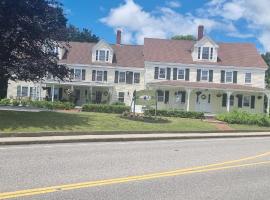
pixel 224 20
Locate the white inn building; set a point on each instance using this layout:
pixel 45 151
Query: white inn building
pixel 197 75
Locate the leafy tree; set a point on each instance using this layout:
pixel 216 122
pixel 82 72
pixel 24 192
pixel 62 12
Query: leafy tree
pixel 266 58
pixel 29 31
pixel 183 37
pixel 76 35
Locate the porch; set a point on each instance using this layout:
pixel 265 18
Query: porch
pixel 211 98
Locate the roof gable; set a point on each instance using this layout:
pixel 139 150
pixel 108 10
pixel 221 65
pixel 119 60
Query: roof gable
pixel 102 44
pixel 204 41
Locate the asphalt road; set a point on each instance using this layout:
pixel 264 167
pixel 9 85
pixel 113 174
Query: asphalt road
pixel 84 164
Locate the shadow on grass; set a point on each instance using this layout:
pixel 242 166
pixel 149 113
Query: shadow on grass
pixel 31 121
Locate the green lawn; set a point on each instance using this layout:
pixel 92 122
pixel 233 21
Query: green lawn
pixel 249 127
pixel 11 121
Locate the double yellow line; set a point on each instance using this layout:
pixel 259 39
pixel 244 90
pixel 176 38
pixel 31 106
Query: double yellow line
pixel 199 169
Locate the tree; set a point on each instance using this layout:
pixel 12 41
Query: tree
pixel 183 37
pixel 29 33
pixel 75 35
pixel 266 58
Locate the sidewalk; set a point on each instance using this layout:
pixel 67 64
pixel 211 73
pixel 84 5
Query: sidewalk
pixel 125 137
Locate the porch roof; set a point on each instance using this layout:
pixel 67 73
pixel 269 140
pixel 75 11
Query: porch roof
pixel 79 83
pixel 205 85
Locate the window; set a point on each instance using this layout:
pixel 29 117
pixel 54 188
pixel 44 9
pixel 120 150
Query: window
pixel 99 76
pixel 231 100
pixel 181 74
pixel 122 77
pixel 204 75
pixel 248 77
pixel 229 77
pixel 136 77
pixel 121 96
pixel 246 101
pixel 160 96
pixel 162 73
pixel 107 56
pixel 24 92
pixel 205 53
pixel 96 55
pixel 101 56
pixel 211 53
pixel 77 74
pixel 199 52
pixel 129 77
pixel 33 92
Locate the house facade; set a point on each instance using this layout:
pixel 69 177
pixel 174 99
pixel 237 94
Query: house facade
pixel 199 75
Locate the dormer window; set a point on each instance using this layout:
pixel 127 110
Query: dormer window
pixel 102 55
pixel 205 53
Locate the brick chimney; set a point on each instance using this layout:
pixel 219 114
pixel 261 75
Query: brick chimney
pixel 200 31
pixel 118 37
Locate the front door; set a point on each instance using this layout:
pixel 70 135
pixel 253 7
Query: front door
pixel 77 97
pixel 98 97
pixel 203 102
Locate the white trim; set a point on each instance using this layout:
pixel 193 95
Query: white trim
pixel 228 71
pixel 249 99
pixel 180 68
pixel 247 83
pixel 207 75
pixel 165 73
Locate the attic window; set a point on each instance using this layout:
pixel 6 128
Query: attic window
pixel 102 55
pixel 205 53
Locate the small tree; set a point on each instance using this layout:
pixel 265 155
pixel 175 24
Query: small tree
pixel 266 58
pixel 75 35
pixel 183 37
pixel 29 33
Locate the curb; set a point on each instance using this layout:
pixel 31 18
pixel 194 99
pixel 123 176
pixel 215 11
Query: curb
pixel 123 139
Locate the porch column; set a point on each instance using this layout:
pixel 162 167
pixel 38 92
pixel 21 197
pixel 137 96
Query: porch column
pixel 228 100
pixel 52 93
pixel 188 98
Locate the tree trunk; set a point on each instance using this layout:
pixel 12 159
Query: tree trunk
pixel 3 86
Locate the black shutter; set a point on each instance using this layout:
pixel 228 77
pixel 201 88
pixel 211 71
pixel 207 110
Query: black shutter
pixel 166 96
pixel 105 76
pixel 187 75
pixel 60 93
pixel 183 98
pixel 222 78
pixel 174 73
pixel 198 74
pixel 240 98
pixel 252 105
pixel 83 74
pixel 224 100
pixel 116 77
pixel 168 73
pixel 210 75
pixel 93 75
pixel 156 73
pixel 234 76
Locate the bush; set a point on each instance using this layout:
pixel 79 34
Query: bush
pixel 118 103
pixel 242 117
pixel 15 102
pixel 5 102
pixel 105 108
pixel 143 118
pixel 52 105
pixel 170 113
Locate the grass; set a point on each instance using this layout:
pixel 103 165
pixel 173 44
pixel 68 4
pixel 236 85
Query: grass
pixel 12 121
pixel 249 127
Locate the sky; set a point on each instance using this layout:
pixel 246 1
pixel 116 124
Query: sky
pixel 224 20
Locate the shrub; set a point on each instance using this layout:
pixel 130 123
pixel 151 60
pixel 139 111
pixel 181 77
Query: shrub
pixel 143 118
pixel 105 108
pixel 170 113
pixel 242 117
pixel 52 105
pixel 15 102
pixel 118 103
pixel 5 102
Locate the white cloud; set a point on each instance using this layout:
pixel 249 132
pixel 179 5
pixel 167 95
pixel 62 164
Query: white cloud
pixel 173 4
pixel 138 24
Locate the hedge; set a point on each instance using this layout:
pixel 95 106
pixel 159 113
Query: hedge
pixel 242 117
pixel 56 105
pixel 170 113
pixel 5 102
pixel 105 108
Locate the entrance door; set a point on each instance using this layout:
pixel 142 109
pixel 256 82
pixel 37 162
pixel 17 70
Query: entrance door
pixel 77 96
pixel 98 97
pixel 203 102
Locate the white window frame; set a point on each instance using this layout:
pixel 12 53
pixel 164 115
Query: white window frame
pixel 165 72
pixel 33 95
pixel 80 78
pixel 249 82
pixel 134 77
pixel 249 101
pixel 96 75
pixel 208 53
pixel 207 74
pixel 124 77
pixel 125 82
pixel 163 96
pixel 106 55
pixel 184 74
pixel 227 76
pixel 123 97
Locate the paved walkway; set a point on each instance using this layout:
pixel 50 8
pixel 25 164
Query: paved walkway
pixel 124 137
pixel 22 109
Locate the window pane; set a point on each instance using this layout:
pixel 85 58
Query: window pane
pixel 107 55
pixel 33 92
pixel 18 91
pixel 77 74
pixel 205 53
pixel 102 55
pixel 24 91
pixel 246 101
pixel 96 54
pixel 211 53
pixel 129 77
pixel 204 75
pixel 162 72
pixel 199 53
pixel 160 96
pixel 248 78
pixel 99 75
pixel 229 77
pixel 121 96
pixel 181 74
pixel 136 77
pixel 122 77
